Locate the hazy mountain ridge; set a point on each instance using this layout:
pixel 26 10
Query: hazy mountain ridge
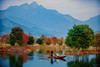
pixel 37 20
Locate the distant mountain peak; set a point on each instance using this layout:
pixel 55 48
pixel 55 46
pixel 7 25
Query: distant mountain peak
pixel 34 4
pixel 25 4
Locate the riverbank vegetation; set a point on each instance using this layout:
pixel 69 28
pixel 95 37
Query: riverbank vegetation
pixel 80 38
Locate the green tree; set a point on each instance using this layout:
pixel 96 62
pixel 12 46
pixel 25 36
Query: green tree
pixel 39 41
pixel 31 40
pixel 17 32
pixel 80 36
pixel 12 40
pixel 60 41
pixel 43 38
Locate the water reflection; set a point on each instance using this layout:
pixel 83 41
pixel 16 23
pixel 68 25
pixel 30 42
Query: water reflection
pixel 56 60
pixel 42 51
pixel 30 56
pixel 85 61
pixel 40 58
pixel 47 51
pixel 15 61
pixel 51 60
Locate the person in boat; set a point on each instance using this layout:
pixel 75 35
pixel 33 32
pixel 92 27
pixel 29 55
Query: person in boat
pixel 52 53
pixel 56 54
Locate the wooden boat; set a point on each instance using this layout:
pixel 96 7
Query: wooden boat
pixel 58 57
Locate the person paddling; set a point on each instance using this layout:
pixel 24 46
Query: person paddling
pixel 52 53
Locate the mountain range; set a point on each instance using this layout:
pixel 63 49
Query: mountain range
pixel 38 20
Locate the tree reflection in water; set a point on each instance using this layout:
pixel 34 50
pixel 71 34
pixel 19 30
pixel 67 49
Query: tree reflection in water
pixel 85 62
pixel 30 56
pixel 16 61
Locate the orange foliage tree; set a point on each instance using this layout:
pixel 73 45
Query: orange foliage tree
pixel 48 40
pixel 97 40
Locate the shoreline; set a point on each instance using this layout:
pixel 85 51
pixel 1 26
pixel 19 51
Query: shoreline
pixel 47 48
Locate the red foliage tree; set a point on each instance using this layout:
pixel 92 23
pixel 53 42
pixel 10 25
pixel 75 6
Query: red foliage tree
pixel 54 40
pixel 25 38
pixel 48 40
pixel 5 37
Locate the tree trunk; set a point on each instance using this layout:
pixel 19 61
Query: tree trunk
pixel 78 51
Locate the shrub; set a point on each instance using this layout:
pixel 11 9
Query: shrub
pixel 43 38
pixel 60 52
pixel 31 40
pixel 60 41
pixel 12 40
pixel 39 41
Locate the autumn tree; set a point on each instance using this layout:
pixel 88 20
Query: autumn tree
pixel 97 40
pixel 5 38
pixel 54 40
pixel 17 32
pixel 80 36
pixel 48 40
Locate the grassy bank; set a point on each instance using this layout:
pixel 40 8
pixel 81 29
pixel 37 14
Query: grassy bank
pixel 47 48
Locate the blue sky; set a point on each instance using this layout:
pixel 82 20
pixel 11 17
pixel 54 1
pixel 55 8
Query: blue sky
pixel 79 9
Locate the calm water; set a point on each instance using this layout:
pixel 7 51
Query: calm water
pixel 40 59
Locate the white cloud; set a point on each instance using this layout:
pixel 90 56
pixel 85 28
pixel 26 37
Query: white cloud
pixel 80 9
